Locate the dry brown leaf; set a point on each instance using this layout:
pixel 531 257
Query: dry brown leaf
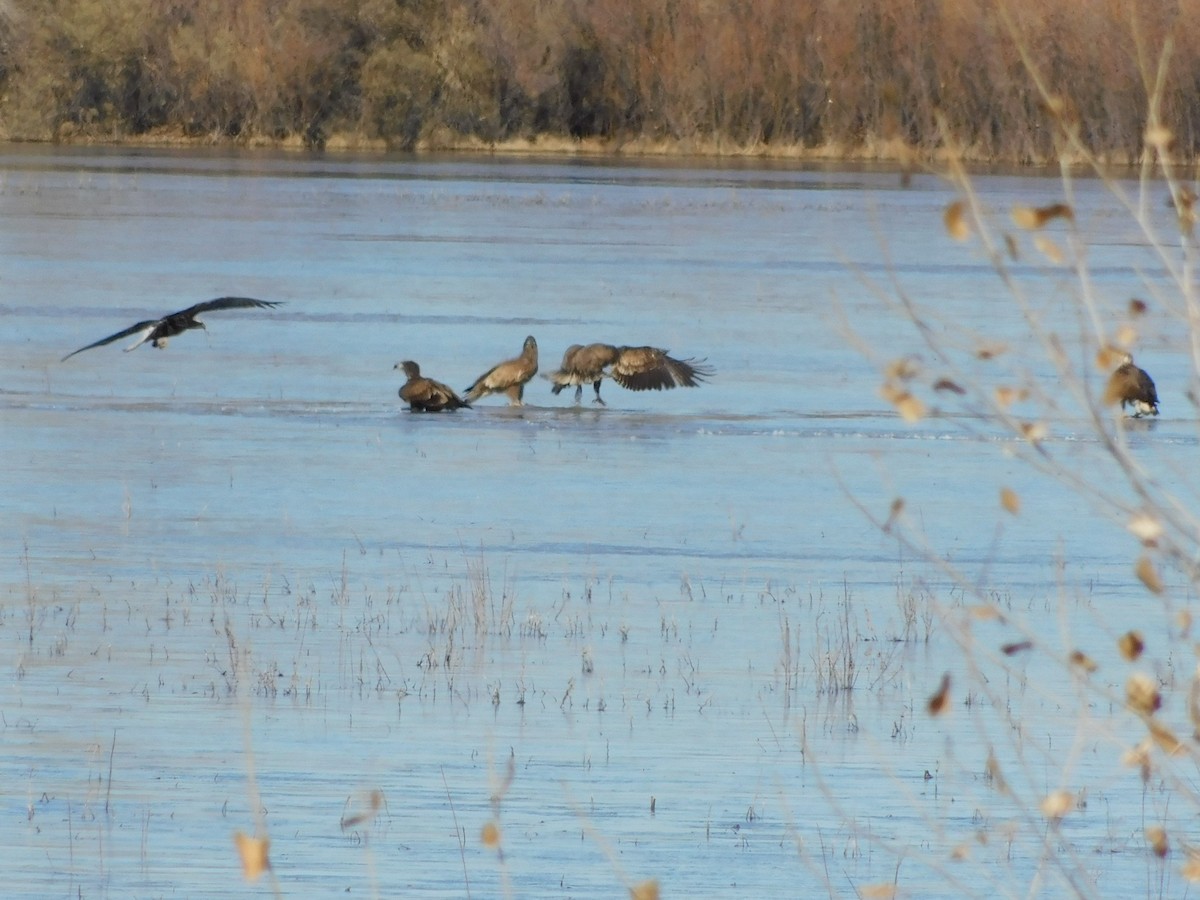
pixel 1016 647
pixel 1010 501
pixel 1109 357
pixel 911 408
pixel 1145 528
pixel 1126 336
pixel 1193 704
pixel 983 613
pixel 878 891
pixel 1137 307
pixel 1142 694
pixel 1034 431
pixel 1055 211
pixel 955 220
pixel 1156 837
pixel 1148 575
pixel 489 835
pixel 647 890
pixel 940 700
pixel 254 853
pixel 891 393
pixel 945 384
pixel 1057 804
pixel 1183 619
pixel 1007 396
pixel 1191 868
pixel 991 350
pixel 1024 217
pixel 1131 645
pixel 1081 660
pixel 1049 249
pixel 904 369
pixel 1139 757
pixel 1033 218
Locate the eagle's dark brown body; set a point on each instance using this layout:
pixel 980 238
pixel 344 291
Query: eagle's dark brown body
pixel 424 394
pixel 1131 386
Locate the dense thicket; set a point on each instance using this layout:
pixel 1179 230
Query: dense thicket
pixel 852 77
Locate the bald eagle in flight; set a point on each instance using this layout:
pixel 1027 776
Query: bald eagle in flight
pixel 1131 386
pixel 158 331
pixel 509 377
pixel 426 395
pixel 635 368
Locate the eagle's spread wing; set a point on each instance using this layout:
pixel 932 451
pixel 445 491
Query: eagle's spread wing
pixel 226 303
pixel 146 327
pixel 651 369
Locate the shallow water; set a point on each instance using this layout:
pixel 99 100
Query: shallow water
pixel 237 564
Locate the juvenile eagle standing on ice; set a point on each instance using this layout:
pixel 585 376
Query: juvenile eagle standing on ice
pixel 1131 386
pixel 635 368
pixel 426 395
pixel 158 331
pixel 509 377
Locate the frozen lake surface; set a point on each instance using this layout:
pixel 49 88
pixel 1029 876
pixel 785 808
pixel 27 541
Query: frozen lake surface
pixel 244 589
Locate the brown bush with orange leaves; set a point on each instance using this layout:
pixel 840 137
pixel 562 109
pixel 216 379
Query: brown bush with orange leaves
pixel 858 79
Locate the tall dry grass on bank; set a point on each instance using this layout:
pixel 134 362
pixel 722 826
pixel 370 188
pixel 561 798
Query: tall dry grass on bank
pixel 1046 395
pixel 862 79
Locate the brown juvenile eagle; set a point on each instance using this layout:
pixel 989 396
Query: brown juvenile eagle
pixel 426 395
pixel 157 331
pixel 635 368
pixel 1131 386
pixel 509 377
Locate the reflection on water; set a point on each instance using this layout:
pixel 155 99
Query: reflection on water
pixel 240 556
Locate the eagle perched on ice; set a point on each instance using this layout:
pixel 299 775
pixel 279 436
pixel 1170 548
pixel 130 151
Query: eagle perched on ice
pixel 508 377
pixel 1131 386
pixel 426 395
pixel 635 368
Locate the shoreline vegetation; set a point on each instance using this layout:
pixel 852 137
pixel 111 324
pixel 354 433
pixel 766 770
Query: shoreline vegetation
pixel 904 81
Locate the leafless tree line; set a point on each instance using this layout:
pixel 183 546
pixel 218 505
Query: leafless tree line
pixel 859 78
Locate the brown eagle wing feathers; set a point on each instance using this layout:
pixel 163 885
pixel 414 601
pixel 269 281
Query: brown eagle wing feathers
pixel 651 369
